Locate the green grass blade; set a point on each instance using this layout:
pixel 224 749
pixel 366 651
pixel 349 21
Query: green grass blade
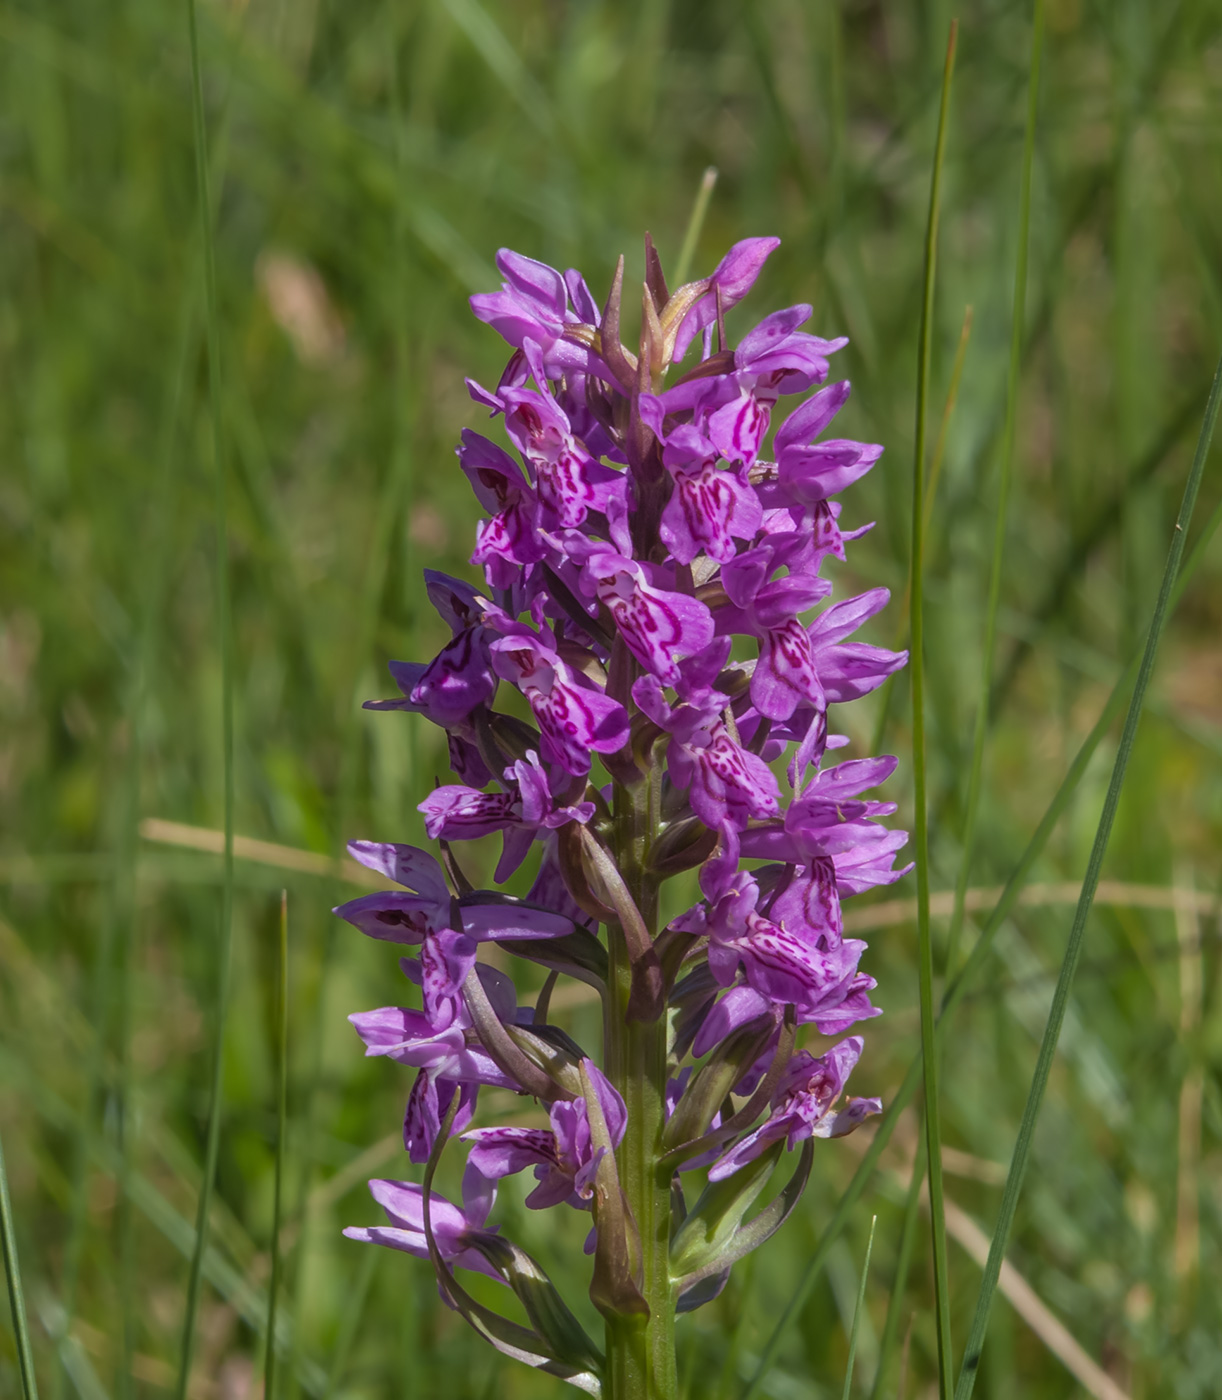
pixel 857 1311
pixel 1005 484
pixel 967 974
pixel 221 1006
pixel 282 1100
pixel 903 1262
pixel 691 237
pixel 16 1295
pixel 931 489
pixel 917 674
pixel 1073 951
pixel 948 412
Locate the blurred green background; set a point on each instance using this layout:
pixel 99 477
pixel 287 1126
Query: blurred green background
pixel 368 158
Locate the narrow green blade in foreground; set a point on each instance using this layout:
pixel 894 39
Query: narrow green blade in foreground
pixel 282 1096
pixel 16 1297
pixel 993 607
pixel 221 1004
pixel 857 1311
pixel 1073 952
pixel 929 1056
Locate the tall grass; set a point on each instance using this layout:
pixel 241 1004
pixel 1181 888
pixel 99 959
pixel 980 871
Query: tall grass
pixel 932 1115
pixel 374 158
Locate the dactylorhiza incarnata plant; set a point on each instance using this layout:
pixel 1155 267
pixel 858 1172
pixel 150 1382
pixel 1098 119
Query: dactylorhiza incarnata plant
pixel 639 535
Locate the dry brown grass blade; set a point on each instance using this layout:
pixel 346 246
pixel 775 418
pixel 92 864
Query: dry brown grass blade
pixel 888 912
pixel 212 842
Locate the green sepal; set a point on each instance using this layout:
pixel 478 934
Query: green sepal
pixel 714 1080
pixel 549 1314
pixel 615 1289
pixel 742 1240
pixel 706 1234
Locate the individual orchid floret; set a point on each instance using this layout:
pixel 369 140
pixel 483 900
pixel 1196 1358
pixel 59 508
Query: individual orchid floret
pixel 533 305
pixel 710 506
pixel 428 907
pixel 802 1106
pixel 453 1226
pixel 786 674
pixel 460 677
pixel 659 627
pixel 575 717
pixel 732 279
pixel 801 965
pixel 724 782
pixel 508 540
pixel 565 1159
pixel 569 483
pixel 527 806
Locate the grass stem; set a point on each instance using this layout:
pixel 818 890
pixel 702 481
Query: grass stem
pixel 1009 434
pixel 282 1097
pixel 857 1312
pixel 16 1294
pixel 695 223
pixel 921 830
pixel 221 1005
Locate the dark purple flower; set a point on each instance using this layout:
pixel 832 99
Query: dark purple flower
pixel 460 677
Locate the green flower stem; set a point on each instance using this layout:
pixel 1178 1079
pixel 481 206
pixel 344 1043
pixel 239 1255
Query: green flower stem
pixel 640 1351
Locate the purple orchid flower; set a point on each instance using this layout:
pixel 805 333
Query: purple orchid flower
pixel 527 806
pixel 533 306
pixel 507 541
pixel 732 279
pixel 460 677
pixel 568 481
pixel 710 506
pixel 662 601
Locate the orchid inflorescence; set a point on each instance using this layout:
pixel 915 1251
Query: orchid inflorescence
pixel 639 535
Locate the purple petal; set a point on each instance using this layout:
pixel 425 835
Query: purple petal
pixel 805 423
pixel 405 865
